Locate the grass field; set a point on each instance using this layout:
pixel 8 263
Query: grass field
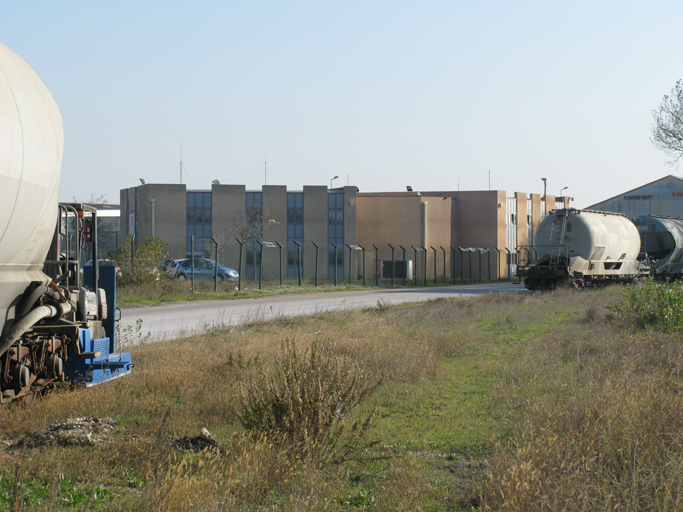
pixel 520 402
pixel 173 290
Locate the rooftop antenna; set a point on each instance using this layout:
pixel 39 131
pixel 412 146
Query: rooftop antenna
pixel 347 180
pixel 489 179
pixel 181 163
pixel 458 182
pixel 265 165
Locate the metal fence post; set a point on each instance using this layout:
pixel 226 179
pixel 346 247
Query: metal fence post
pixel 435 279
pixel 405 269
pixel 415 250
pixel 132 251
pixel 350 261
pixel 498 264
pixel 298 257
pixel 376 265
pixel 215 266
pixel 335 262
pixel 445 277
pixel 392 264
pixel 317 261
pixel 469 251
pixel 260 274
pixel 363 249
pixel 424 249
pixel 239 272
pixel 453 265
pixel 507 258
pixel 279 245
pixel 192 253
pixel 479 250
pixel 462 272
pixel 488 256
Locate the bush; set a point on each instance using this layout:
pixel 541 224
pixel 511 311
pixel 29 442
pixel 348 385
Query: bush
pixel 141 264
pixel 306 402
pixel 652 305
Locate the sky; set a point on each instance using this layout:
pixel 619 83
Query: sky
pixel 437 95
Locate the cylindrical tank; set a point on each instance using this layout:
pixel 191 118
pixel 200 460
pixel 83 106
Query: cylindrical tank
pixel 590 235
pixel 31 144
pixel 662 239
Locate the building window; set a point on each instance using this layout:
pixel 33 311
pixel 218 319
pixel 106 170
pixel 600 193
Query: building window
pixel 335 233
pixel 295 231
pixel 199 223
pixel 254 213
pixel 511 233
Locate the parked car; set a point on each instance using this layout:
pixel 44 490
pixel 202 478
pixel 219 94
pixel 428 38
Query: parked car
pixel 205 268
pixel 172 267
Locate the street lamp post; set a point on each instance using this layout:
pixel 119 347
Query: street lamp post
pixel 336 177
pixel 561 195
pixel 545 187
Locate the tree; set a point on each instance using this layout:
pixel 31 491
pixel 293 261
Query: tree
pixel 667 130
pixel 142 263
pixel 101 199
pixel 249 225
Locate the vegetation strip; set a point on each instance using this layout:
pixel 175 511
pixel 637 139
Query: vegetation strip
pixel 544 401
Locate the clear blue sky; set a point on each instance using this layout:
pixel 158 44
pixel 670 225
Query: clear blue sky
pixel 388 93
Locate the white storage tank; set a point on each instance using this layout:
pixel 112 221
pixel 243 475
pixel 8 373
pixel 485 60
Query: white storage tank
pixel 591 235
pixel 31 144
pixel 662 240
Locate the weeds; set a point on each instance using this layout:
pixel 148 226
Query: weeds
pixel 305 400
pixel 585 414
pixel 129 336
pixel 652 305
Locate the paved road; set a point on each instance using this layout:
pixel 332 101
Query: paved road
pixel 182 319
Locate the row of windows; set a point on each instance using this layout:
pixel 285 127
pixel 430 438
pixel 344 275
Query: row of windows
pixel 203 215
pixel 335 234
pixel 199 221
pixel 295 231
pixel 199 200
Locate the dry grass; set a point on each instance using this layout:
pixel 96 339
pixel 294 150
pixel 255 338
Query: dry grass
pixel 504 402
pixel 595 418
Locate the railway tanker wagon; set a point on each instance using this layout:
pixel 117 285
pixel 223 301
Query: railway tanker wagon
pixel 45 323
pixel 583 247
pixel 662 241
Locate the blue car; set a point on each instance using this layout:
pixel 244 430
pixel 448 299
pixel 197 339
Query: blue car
pixel 205 268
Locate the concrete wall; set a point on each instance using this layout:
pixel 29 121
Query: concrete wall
pixel 166 219
pixel 406 219
pixel 228 202
pixel 315 230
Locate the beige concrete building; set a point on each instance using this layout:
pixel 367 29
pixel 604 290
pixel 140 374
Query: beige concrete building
pixel 445 234
pixel 457 229
pixel 226 212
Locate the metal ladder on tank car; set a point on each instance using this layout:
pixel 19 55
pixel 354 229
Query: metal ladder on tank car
pixel 557 232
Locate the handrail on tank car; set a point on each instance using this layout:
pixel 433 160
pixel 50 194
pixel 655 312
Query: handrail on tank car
pixel 565 253
pixel 66 209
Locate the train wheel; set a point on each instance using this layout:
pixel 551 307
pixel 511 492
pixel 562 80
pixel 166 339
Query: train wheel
pixel 578 284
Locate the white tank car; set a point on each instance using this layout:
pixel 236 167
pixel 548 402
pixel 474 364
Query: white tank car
pixel 31 144
pixel 585 247
pixel 662 240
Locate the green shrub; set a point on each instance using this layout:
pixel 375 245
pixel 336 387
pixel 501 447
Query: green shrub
pixel 141 263
pixel 652 305
pixel 306 401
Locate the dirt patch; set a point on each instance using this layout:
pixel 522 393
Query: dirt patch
pixel 204 441
pixel 69 432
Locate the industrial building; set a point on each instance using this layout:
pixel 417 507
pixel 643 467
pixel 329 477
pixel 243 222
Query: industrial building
pixel 448 233
pixel 662 197
pixel 316 227
pixel 219 216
